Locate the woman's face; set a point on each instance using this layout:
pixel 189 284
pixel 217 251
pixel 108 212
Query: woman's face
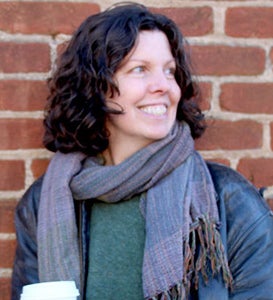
pixel 149 93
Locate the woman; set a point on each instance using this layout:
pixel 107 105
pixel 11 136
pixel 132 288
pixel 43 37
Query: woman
pixel 127 208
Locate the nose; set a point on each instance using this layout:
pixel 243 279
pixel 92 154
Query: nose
pixel 158 82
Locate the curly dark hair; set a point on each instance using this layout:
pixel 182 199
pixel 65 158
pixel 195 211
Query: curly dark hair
pixel 76 109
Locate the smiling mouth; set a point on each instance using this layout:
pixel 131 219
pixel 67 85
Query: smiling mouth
pixel 156 110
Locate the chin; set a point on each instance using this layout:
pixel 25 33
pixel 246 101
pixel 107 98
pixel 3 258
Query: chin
pixel 158 136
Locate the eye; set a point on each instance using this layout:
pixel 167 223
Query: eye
pixel 138 69
pixel 170 72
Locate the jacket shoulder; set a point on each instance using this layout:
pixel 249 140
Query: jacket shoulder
pixel 30 199
pixel 230 184
pixel 241 206
pixel 222 175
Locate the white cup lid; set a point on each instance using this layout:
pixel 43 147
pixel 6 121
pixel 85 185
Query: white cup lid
pixel 50 290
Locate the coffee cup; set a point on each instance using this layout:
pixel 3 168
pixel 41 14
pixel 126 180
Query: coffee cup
pixel 52 290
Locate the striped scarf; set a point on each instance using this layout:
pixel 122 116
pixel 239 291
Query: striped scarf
pixel 177 199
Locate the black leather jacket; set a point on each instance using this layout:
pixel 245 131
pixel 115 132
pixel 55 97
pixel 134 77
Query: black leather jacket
pixel 246 230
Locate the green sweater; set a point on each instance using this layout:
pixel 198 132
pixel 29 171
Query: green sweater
pixel 116 251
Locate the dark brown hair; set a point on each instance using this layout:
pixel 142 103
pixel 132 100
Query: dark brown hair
pixel 76 109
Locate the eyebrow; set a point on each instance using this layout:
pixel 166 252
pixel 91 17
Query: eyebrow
pixel 147 61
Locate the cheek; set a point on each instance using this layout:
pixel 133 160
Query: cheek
pixel 176 94
pixel 131 92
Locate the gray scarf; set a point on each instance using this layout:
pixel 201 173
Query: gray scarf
pixel 177 199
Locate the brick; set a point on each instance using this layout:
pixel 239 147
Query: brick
pixel 39 166
pixel 61 48
pixel 228 135
pixel 7 250
pixel 247 97
pixel 24 57
pixel 257 170
pixel 44 17
pixel 249 22
pixel 205 95
pixel 7 208
pixel 192 21
pixel 12 174
pixel 22 95
pixel 271 129
pixel 271 55
pixel 220 60
pixel 5 288
pixel 20 133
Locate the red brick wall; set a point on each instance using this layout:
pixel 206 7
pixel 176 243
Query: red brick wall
pixel 232 50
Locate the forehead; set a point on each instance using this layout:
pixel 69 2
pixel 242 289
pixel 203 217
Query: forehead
pixel 150 43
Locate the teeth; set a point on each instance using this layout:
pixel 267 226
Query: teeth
pixel 157 110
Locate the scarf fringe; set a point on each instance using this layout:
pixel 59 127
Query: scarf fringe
pixel 177 292
pixel 207 259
